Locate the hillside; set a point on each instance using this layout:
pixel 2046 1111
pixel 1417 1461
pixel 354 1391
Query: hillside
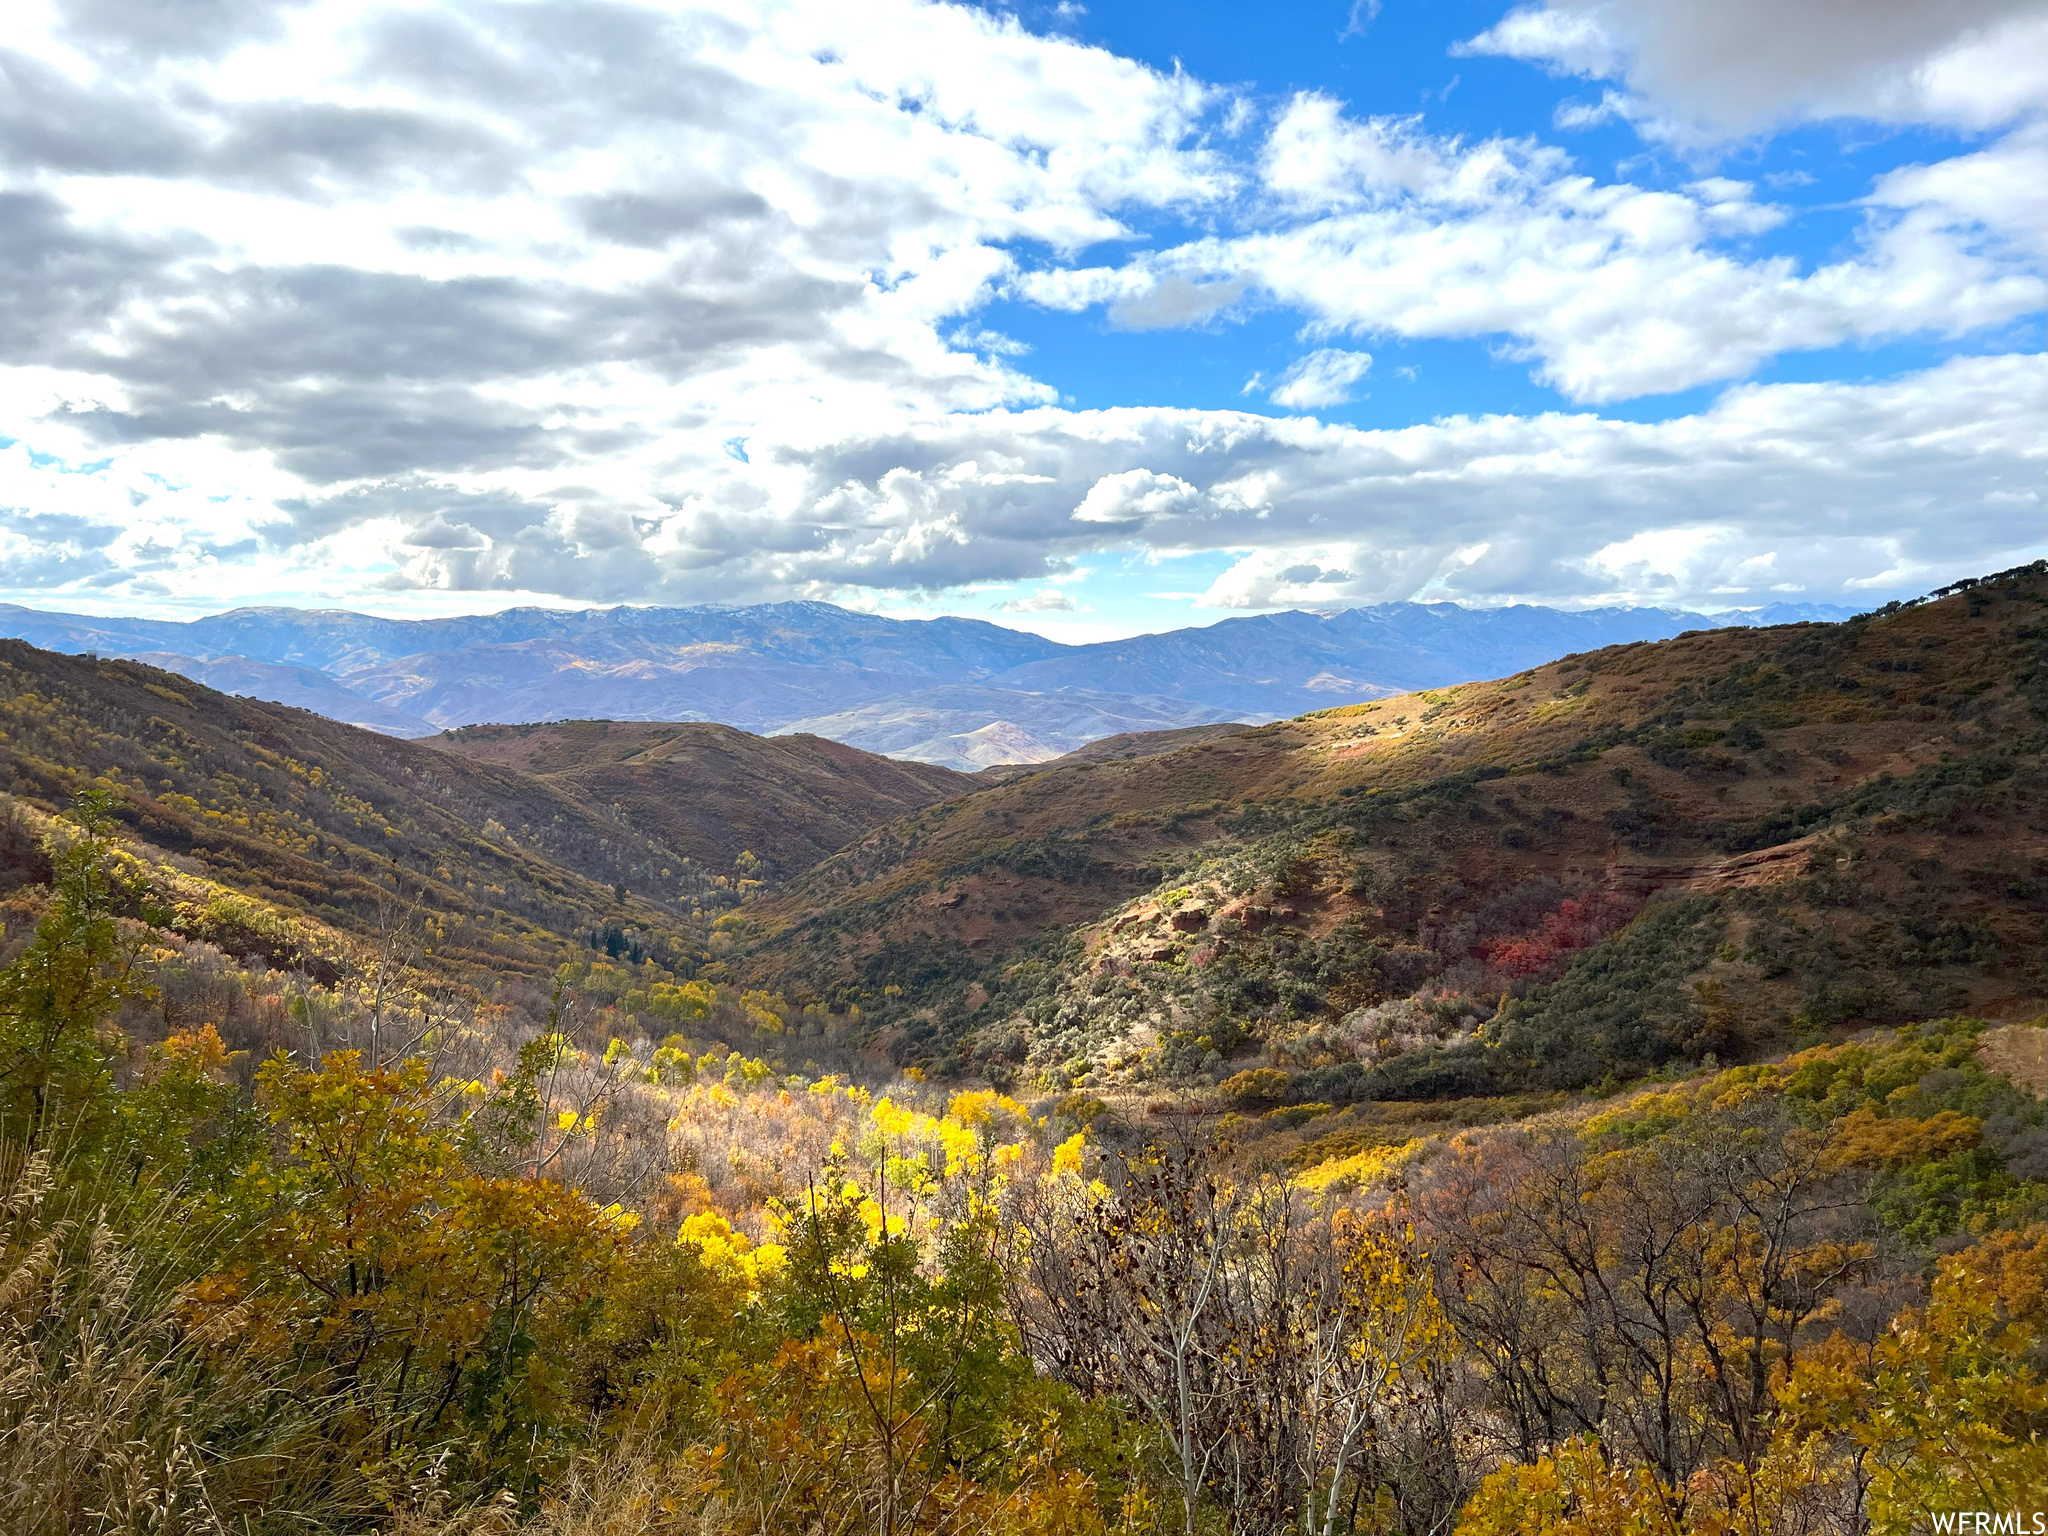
pixel 228 1188
pixel 326 820
pixel 711 792
pixel 1723 843
pixel 519 838
pixel 1126 745
pixel 561 1226
pixel 1268 665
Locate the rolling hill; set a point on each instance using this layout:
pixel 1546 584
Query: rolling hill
pixel 326 820
pixel 1271 665
pixel 711 792
pixel 1721 843
pixel 515 846
pixel 1123 747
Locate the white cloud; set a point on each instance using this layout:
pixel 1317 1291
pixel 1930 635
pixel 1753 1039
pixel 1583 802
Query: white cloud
pixel 1568 38
pixel 552 244
pixel 1049 600
pixel 1134 496
pixel 1323 377
pixel 1363 14
pixel 1610 290
pixel 1814 488
pixel 1574 115
pixel 1276 578
pixel 1700 71
pixel 1993 76
pixel 1810 487
pixel 1997 190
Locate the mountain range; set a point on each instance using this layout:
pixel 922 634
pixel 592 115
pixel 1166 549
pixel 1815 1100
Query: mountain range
pixel 960 693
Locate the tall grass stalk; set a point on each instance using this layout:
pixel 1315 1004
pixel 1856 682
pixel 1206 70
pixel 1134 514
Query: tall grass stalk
pixel 116 1417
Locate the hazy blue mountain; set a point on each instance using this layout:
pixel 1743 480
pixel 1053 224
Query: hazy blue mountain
pixel 1280 664
pixel 956 691
pixel 549 680
pixel 343 644
pixel 967 726
pixel 1776 613
pixel 300 687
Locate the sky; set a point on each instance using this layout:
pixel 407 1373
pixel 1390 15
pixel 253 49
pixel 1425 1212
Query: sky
pixel 1088 319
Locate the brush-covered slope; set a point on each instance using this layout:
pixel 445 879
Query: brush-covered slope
pixel 328 820
pixel 711 792
pixel 1720 843
pixel 1124 746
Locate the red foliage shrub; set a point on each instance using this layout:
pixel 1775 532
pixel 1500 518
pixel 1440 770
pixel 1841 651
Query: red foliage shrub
pixel 1577 922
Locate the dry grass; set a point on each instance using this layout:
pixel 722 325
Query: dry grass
pixel 115 1418
pixel 2020 1052
pixel 634 1491
pixel 95 1410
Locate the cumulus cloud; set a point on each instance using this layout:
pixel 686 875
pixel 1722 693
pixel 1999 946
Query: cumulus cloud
pixel 1806 487
pixel 371 239
pixel 1706 70
pixel 1293 577
pixel 1135 497
pixel 484 288
pixel 1775 490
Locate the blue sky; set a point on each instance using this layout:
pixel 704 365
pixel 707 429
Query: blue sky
pixel 1086 319
pixel 1400 62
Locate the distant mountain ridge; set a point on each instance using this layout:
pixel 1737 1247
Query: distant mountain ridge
pixel 341 642
pixel 962 693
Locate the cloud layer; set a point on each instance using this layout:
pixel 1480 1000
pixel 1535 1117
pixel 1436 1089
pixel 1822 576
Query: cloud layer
pixel 676 302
